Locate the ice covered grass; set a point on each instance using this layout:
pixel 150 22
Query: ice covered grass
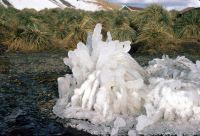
pixel 174 92
pixel 108 85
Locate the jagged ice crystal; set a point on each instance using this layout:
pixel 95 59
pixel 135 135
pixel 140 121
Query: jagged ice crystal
pixel 108 83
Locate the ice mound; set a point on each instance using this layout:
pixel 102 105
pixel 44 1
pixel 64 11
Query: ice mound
pixel 106 80
pixel 108 85
pixel 174 92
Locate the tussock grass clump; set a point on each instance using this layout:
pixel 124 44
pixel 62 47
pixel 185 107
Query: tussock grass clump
pixel 155 28
pixel 188 25
pixel 155 37
pixel 154 13
pixel 29 39
pixel 124 33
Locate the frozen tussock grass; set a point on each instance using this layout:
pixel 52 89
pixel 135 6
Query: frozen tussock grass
pixel 106 80
pixel 107 84
pixel 174 91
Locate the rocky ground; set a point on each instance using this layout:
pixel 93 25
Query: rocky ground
pixel 28 92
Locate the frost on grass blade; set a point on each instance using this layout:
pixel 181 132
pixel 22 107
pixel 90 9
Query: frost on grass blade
pixel 108 87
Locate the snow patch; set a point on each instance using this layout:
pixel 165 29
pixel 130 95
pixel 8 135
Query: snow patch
pixel 35 4
pixel 3 4
pixel 88 5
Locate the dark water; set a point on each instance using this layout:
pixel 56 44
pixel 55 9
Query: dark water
pixel 28 92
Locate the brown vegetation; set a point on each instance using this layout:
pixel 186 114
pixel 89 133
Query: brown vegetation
pixel 155 28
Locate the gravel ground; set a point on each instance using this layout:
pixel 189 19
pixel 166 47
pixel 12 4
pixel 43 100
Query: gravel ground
pixel 28 92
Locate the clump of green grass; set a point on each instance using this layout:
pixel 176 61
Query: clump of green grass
pixel 155 37
pixel 124 33
pixel 78 32
pixel 154 13
pixel 157 29
pixel 188 25
pixel 29 39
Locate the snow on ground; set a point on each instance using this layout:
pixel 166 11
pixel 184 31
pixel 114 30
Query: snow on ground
pixel 109 88
pixel 85 5
pixel 88 5
pixel 36 4
pixel 1 2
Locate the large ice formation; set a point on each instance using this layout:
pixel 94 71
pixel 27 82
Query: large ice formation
pixel 174 91
pixel 107 83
